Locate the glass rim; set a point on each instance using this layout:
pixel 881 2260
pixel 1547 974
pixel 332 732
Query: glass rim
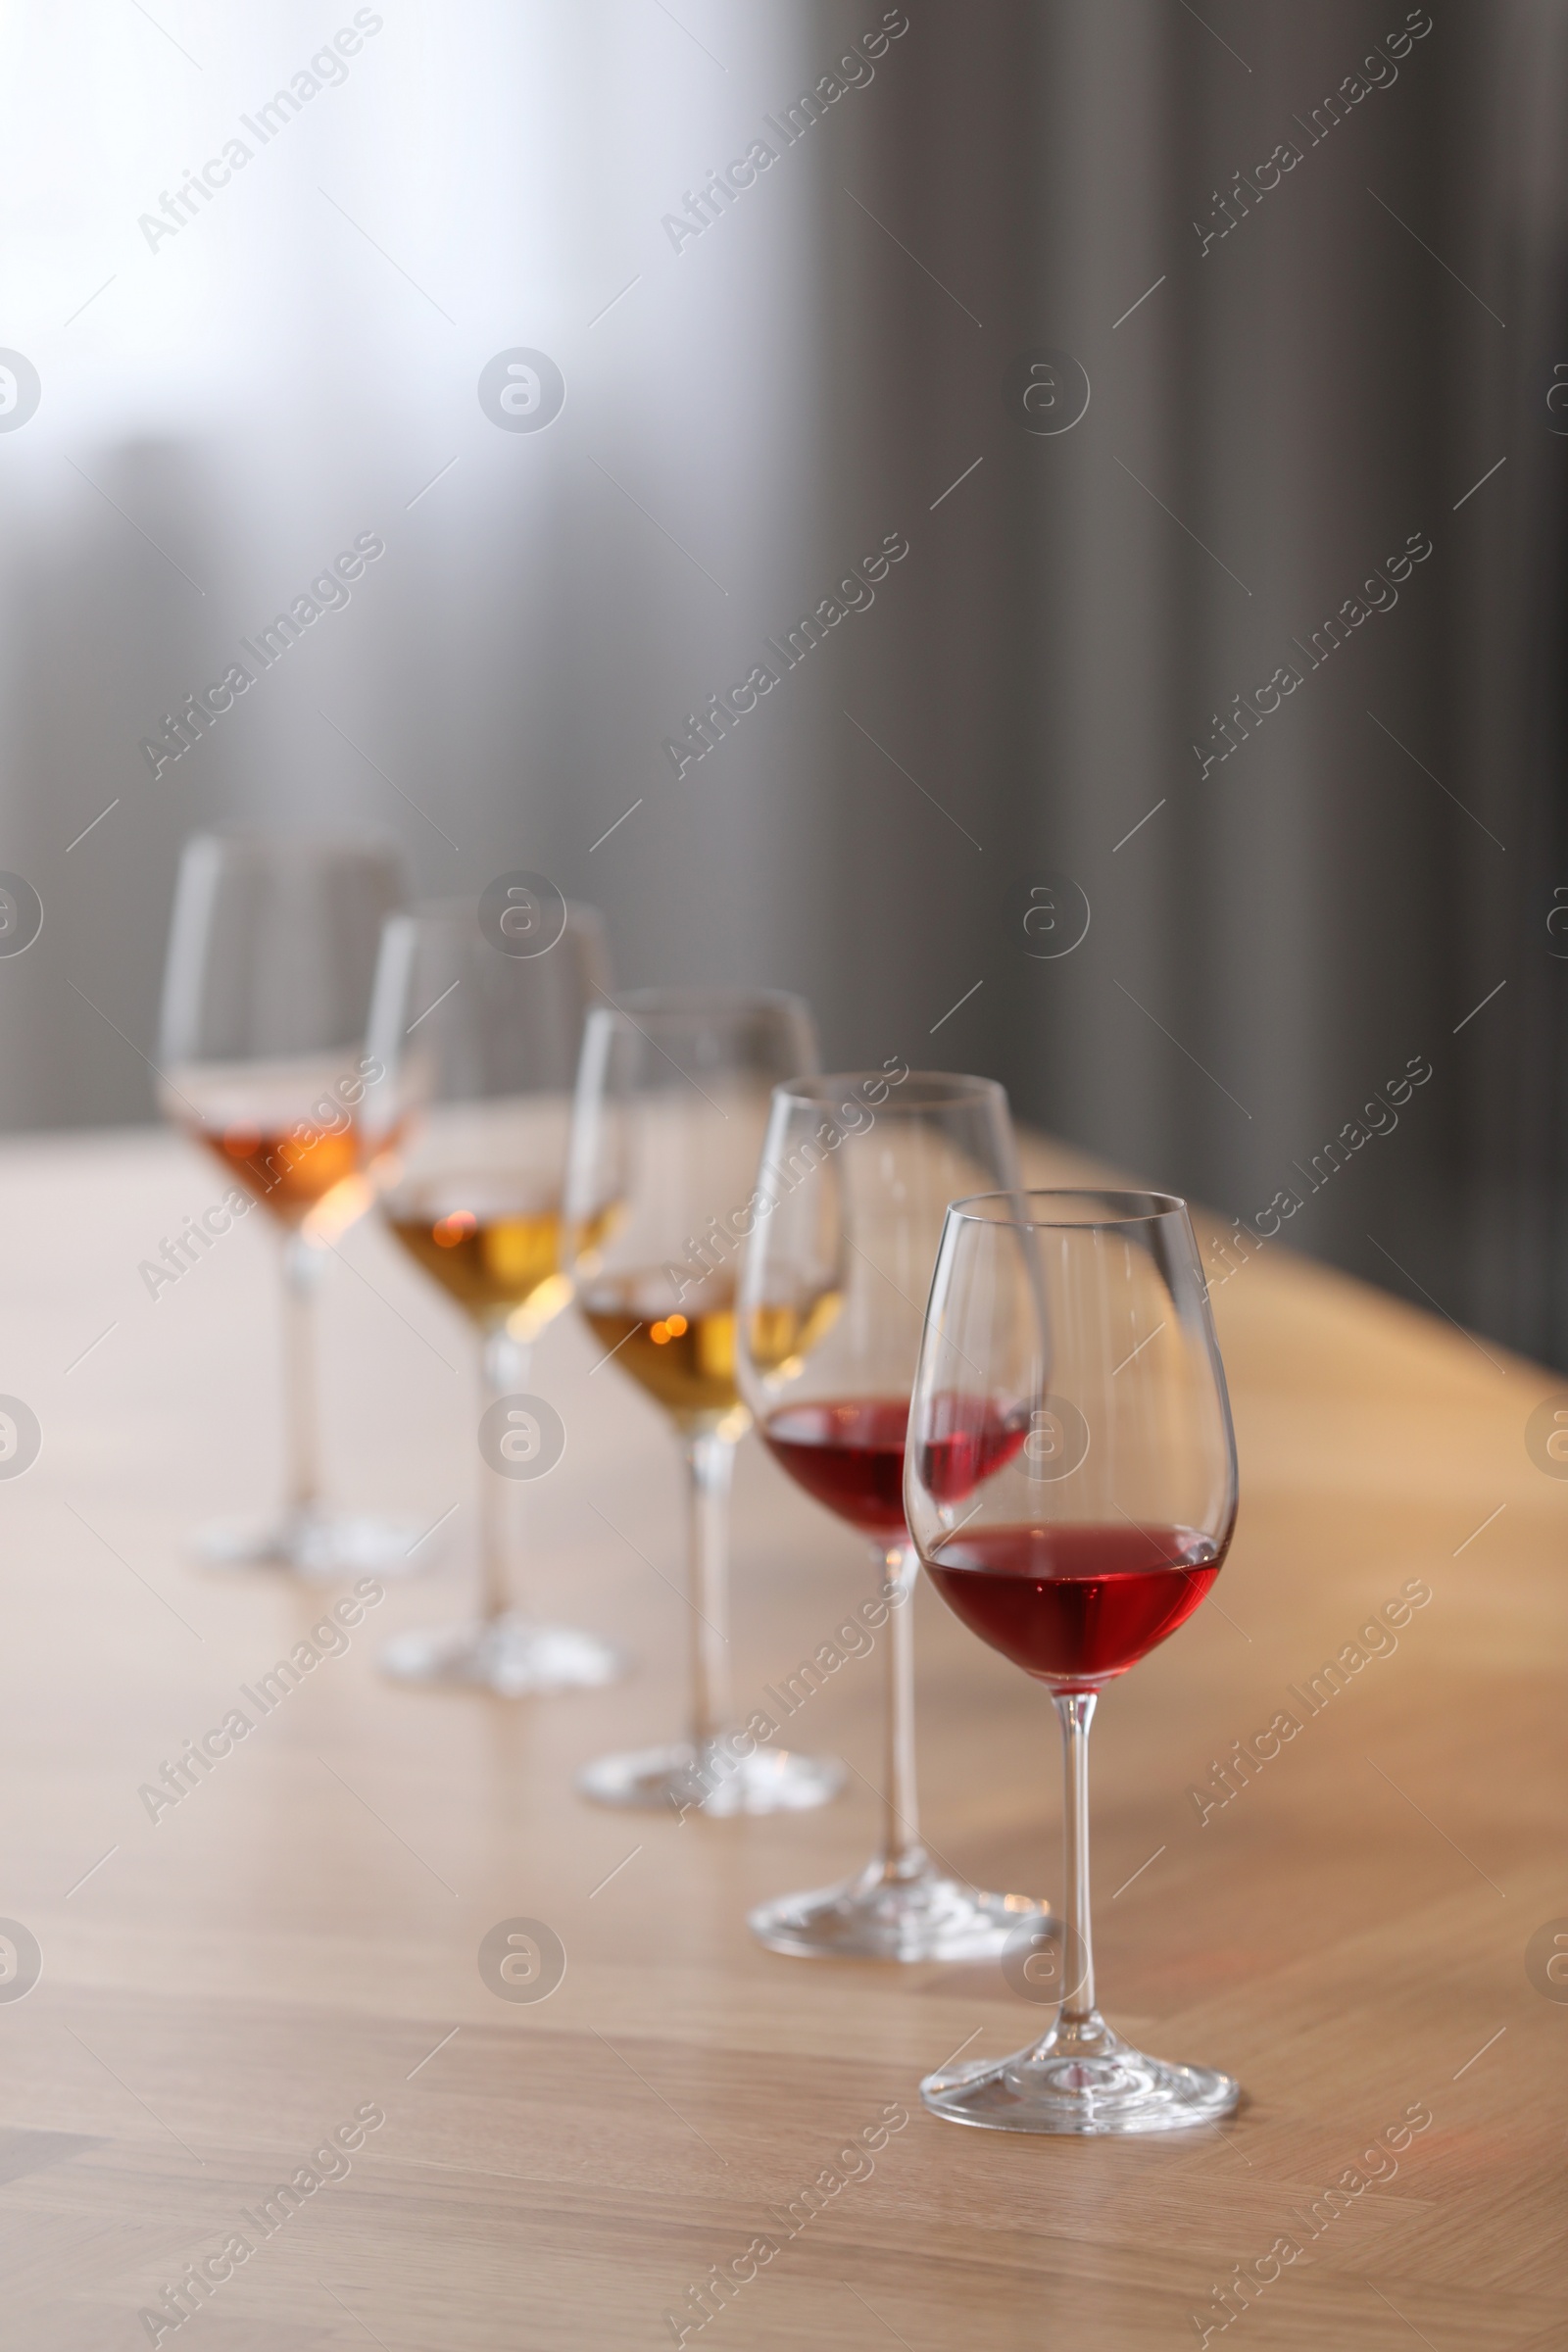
pixel 948 1089
pixel 250 841
pixel 454 909
pixel 677 1005
pixel 1118 1207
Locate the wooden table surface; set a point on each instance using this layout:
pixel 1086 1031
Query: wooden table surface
pixel 295 1942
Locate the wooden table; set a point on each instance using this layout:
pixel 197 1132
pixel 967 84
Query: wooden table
pixel 295 1941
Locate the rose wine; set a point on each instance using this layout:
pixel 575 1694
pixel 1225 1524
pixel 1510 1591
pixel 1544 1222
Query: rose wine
pixel 284 1127
pixel 850 1453
pixel 289 1169
pixel 1074 1605
pixel 685 1355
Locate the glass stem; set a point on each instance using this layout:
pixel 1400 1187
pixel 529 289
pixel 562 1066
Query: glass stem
pixel 903 1855
pixel 1077 2019
pixel 302 1270
pixel 503 1369
pixel 709 1466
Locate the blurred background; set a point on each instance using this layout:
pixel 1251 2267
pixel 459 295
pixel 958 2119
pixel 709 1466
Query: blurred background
pixel 268 274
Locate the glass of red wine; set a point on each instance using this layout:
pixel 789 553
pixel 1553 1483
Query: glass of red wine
pixel 857 1174
pixel 1084 1317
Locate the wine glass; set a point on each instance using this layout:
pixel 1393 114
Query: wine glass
pixel 266 986
pixel 1080 1320
pixel 856 1173
pixel 672 1100
pixel 478 1031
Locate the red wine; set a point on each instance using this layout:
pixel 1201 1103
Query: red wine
pixel 850 1453
pixel 968 1438
pixel 1075 1604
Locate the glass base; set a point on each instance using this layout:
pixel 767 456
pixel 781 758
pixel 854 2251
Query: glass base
pixel 317 1543
pixel 912 1912
pixel 1083 2080
pixel 506 1655
pixel 771 1780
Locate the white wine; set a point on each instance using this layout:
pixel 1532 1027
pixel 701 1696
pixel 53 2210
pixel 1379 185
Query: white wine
pixel 496 1257
pixel 685 1355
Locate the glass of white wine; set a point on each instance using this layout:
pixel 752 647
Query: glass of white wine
pixel 267 988
pixel 672 1104
pixel 469 1127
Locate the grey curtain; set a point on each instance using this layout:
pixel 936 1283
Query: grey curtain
pixel 1336 211
pixel 1277 245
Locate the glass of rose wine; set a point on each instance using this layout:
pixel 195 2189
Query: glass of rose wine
pixel 856 1172
pixel 267 988
pixel 478 1032
pixel 1084 1315
pixel 673 1100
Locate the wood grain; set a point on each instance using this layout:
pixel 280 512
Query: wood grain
pixel 297 1939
